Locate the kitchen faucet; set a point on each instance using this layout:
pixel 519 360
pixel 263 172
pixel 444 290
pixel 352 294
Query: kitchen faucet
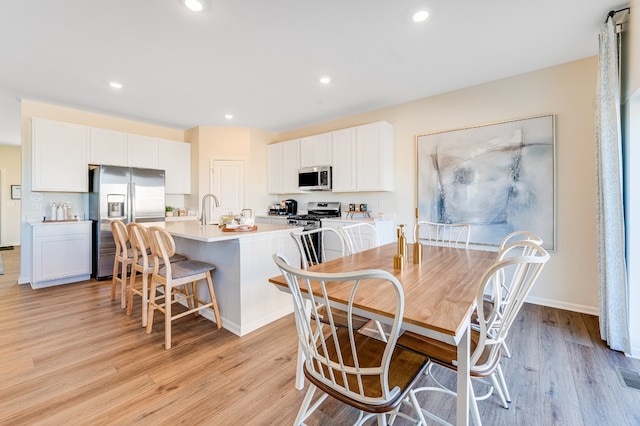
pixel 203 218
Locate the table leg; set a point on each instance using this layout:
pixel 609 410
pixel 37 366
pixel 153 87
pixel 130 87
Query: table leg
pixel 462 413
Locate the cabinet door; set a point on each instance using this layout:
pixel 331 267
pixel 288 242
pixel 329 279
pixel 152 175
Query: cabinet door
pixel 290 166
pixel 59 156
pixel 274 169
pixel 316 150
pixel 344 160
pixel 175 159
pixel 61 251
pixel 107 147
pixel 374 157
pixel 142 151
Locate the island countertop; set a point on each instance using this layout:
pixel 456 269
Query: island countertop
pixel 193 230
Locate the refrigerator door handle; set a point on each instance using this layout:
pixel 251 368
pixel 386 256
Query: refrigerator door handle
pixel 132 203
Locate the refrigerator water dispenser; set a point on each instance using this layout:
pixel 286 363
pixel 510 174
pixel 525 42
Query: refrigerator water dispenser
pixel 115 205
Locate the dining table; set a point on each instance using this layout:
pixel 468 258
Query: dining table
pixel 439 297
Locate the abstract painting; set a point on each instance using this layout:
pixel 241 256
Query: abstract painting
pixel 499 178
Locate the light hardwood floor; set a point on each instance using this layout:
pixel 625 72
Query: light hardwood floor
pixel 71 356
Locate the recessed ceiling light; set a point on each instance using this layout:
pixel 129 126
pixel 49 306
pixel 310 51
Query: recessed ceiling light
pixel 228 116
pixel 325 79
pixel 195 5
pixel 115 85
pixel 420 16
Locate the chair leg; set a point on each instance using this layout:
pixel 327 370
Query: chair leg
pixel 167 317
pixel 114 279
pixel 304 411
pixel 132 282
pixel 503 383
pixel 505 348
pixel 123 286
pixel 498 389
pixel 152 306
pixel 145 298
pixel 214 301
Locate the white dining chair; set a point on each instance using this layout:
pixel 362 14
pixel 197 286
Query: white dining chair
pixel 502 297
pixel 491 328
pixel 312 247
pixel 360 236
pixel 366 373
pixel 442 234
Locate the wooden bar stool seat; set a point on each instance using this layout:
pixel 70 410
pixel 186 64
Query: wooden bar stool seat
pixel 173 276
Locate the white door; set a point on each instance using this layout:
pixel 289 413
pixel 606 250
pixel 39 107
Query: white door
pixel 227 183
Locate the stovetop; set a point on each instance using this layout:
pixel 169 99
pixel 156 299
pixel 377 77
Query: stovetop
pixel 317 210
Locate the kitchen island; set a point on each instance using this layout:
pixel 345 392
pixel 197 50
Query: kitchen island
pixel 244 264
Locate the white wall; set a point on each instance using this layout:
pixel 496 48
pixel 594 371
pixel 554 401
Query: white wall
pixel 568 91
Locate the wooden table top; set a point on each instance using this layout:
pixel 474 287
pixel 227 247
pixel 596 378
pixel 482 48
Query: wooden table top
pixel 439 293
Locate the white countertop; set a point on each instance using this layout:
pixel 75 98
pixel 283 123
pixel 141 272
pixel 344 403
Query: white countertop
pixel 354 219
pixel 210 233
pixel 57 222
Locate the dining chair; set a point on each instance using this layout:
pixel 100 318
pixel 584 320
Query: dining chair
pixel 442 234
pixel 311 245
pixel 143 265
pixel 122 261
pixel 491 329
pixel 172 276
pixel 508 240
pixel 360 236
pixel 366 373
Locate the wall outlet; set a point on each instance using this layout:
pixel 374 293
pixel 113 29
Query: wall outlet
pixel 381 204
pixel 36 206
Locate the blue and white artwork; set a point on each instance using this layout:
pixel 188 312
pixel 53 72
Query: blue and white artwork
pixel 498 178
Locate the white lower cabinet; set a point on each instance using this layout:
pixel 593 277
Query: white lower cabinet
pixel 61 253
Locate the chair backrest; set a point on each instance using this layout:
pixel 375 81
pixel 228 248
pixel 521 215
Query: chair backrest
pixel 523 271
pixel 162 248
pixel 520 236
pixel 331 351
pixel 360 236
pixel 442 234
pixel 121 237
pixel 312 245
pixel 139 244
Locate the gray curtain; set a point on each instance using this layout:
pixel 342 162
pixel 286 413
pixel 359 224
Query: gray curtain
pixel 612 275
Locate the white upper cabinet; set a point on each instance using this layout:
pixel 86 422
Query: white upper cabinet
pixel 175 159
pixel 282 167
pixel 344 155
pixel 107 147
pixel 374 157
pixel 142 151
pixel 59 156
pixel 363 158
pixel 316 150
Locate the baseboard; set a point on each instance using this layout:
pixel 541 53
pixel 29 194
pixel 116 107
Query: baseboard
pixel 564 305
pixel 635 352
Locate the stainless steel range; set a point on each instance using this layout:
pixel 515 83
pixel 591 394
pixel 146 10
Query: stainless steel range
pixel 316 211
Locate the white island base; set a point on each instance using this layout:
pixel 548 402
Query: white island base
pixel 244 264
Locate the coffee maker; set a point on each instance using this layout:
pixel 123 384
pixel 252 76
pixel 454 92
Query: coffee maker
pixel 291 207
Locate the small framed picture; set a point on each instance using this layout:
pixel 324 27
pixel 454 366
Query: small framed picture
pixel 16 192
pixel 363 207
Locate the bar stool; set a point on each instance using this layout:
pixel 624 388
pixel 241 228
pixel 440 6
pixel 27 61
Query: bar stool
pixel 142 264
pixel 184 273
pixel 123 260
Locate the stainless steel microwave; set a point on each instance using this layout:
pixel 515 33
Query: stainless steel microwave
pixel 316 178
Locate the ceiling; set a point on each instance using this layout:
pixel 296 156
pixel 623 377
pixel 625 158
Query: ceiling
pixel 260 60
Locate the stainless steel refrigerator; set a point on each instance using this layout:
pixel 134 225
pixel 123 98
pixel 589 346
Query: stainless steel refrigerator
pixel 126 193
